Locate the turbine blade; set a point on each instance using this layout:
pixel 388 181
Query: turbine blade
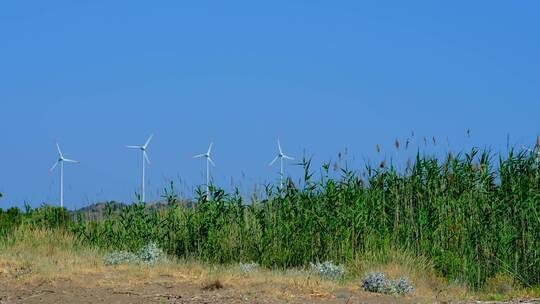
pixel 148 141
pixel 279 146
pixel 71 160
pixel 199 155
pixel 209 148
pixel 272 162
pixel 146 157
pixel 134 147
pixel 211 161
pixel 54 166
pixel 59 151
pixel 288 157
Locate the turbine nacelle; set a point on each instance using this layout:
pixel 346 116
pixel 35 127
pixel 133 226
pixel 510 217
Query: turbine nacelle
pixel 208 161
pixel 61 159
pixel 143 148
pixel 145 159
pixel 280 155
pixel 207 155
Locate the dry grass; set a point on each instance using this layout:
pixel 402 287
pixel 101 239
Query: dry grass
pixel 418 269
pixel 34 256
pixel 49 254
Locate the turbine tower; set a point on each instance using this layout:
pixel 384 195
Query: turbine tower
pixel 208 162
pixel 61 160
pixel 144 159
pixel 280 156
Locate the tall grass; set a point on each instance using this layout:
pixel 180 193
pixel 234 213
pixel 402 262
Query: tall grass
pixel 473 215
pixel 44 217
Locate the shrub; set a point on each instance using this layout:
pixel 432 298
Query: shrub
pixel 403 286
pixel 328 270
pixel 248 267
pixel 462 203
pixel 377 282
pixel 501 284
pixel 120 257
pixel 150 254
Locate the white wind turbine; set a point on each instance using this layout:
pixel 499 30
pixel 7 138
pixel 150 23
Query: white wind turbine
pixel 144 158
pixel 61 160
pixel 208 162
pixel 280 156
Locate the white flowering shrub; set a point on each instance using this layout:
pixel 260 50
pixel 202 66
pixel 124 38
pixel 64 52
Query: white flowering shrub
pixel 328 270
pixel 119 257
pixel 248 267
pixel 403 286
pixel 377 282
pixel 149 255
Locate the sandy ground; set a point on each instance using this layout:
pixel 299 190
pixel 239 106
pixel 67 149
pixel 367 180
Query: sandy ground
pixel 142 285
pixel 119 286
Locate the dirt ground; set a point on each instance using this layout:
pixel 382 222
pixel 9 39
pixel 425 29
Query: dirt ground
pixel 49 267
pixel 124 285
pixel 116 286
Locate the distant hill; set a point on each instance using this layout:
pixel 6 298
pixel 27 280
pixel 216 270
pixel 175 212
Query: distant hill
pixel 97 210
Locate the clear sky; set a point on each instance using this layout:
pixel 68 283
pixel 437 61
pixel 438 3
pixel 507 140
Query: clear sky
pixel 321 75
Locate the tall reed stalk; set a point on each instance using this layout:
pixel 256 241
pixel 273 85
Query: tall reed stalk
pixel 471 214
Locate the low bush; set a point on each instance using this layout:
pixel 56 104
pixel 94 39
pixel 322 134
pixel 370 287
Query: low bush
pixel 149 255
pixel 378 282
pixel 248 267
pixel 120 257
pixel 328 270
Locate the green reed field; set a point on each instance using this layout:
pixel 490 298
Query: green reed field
pixel 473 215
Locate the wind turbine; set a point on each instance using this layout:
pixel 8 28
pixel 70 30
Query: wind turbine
pixel 280 156
pixel 61 160
pixel 144 159
pixel 208 162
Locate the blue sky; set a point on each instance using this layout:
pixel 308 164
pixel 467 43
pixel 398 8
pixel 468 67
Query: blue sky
pixel 321 75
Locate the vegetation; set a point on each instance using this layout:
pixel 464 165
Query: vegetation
pixel 473 216
pixel 377 282
pixel 471 220
pixel 149 255
pixel 44 217
pixel 328 270
pixel 246 268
